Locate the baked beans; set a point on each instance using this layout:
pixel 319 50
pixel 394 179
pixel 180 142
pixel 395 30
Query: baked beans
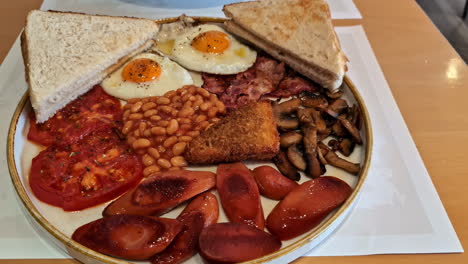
pixel 159 128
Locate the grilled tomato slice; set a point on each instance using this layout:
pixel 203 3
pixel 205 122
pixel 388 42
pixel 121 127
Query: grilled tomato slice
pixel 89 172
pixel 90 112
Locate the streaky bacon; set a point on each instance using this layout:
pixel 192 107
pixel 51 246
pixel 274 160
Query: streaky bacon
pixel 236 90
pixel 215 83
pixel 293 85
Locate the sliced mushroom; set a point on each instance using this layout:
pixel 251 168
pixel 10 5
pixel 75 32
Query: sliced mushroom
pixel 305 115
pixel 287 107
pixel 333 144
pixel 358 120
pixel 338 162
pixel 352 112
pixel 324 134
pixel 282 112
pixel 286 123
pixel 351 129
pixel 320 156
pixel 334 95
pixel 285 167
pixel 296 157
pixel 314 100
pixel 319 122
pixel 339 130
pixel 310 149
pixel 323 148
pixel 346 146
pixel 337 107
pixel 290 138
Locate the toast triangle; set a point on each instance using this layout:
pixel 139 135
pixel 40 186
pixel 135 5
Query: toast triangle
pixel 65 53
pixel 299 29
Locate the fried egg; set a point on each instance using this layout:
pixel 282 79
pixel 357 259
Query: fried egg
pixel 208 48
pixel 146 74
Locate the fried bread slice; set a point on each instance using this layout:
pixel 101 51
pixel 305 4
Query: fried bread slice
pixel 247 133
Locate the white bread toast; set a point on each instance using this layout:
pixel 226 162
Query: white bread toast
pixel 298 32
pixel 65 54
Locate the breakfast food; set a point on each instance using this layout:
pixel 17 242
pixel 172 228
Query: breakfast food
pixel 145 75
pixel 245 100
pixel 266 78
pixel 208 48
pixel 65 54
pixel 235 242
pixel 161 192
pixel 271 183
pixel 239 195
pixel 159 128
pixel 204 48
pixel 248 133
pixel 200 213
pixel 88 172
pixel 115 235
pixel 304 122
pixel 298 32
pixel 92 111
pixel 292 216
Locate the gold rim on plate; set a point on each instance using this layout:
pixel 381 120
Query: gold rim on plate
pixel 88 253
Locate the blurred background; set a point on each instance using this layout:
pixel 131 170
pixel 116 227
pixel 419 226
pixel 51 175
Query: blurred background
pixel 447 15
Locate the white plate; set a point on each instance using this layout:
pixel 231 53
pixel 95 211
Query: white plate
pixel 59 225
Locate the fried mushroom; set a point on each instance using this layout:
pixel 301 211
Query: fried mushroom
pixel 310 148
pixel 337 107
pixel 313 100
pixel 296 157
pixel 346 146
pixel 351 129
pixel 283 114
pixel 285 167
pixel 290 138
pixel 338 162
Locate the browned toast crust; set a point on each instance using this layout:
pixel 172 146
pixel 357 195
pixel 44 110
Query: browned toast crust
pixel 247 133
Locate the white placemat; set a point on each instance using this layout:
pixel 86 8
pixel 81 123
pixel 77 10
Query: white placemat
pixel 340 9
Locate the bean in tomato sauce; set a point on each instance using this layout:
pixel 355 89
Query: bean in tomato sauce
pixel 159 128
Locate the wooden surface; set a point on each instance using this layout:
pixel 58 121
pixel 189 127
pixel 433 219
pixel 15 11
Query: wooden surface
pixel 429 82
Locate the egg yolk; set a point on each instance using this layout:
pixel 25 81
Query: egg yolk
pixel 141 70
pixel 211 42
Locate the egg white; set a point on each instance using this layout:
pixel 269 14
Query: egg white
pixel 236 58
pixel 172 77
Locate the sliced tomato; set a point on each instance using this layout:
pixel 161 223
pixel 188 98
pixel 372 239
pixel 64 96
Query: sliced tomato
pixel 306 206
pixel 128 236
pixel 271 183
pixel 201 212
pixel 239 194
pixel 89 172
pixel 161 192
pixel 92 111
pixel 235 242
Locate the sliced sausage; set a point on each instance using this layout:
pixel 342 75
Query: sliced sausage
pixel 306 206
pixel 161 192
pixel 201 212
pixel 271 183
pixel 132 237
pixel 239 194
pixel 235 242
